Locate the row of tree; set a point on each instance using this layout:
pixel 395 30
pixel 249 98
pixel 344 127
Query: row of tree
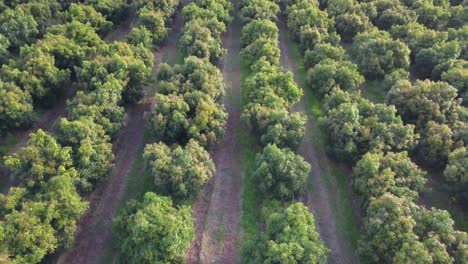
pixel 187 118
pixel 279 173
pixel 41 214
pixel 438 51
pixel 33 75
pixel 396 229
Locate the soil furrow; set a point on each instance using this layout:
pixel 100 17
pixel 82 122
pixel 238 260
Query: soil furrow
pixel 318 197
pixel 217 209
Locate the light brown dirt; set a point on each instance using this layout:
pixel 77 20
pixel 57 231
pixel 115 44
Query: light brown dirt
pixel 217 209
pixel 318 198
pixel 94 229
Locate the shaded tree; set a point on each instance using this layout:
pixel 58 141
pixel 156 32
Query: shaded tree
pixel 154 230
pixel 280 173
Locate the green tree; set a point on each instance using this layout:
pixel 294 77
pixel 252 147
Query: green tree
pixel 41 159
pixel 258 28
pixel 280 173
pixel 424 101
pixel 322 52
pixel 140 35
pixel 4 45
pixel 377 54
pixel 16 110
pixel 86 14
pixel 92 152
pixel 259 9
pixel 39 77
pixel 169 118
pixel 154 230
pixel 114 10
pixel 28 236
pixel 395 173
pixel 356 127
pixel 329 73
pixel 197 40
pixel 19 27
pixel 435 144
pixel 290 237
pixel 456 171
pixel 153 20
pixel 180 171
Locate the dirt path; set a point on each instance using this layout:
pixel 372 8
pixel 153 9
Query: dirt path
pixel 94 229
pixel 318 197
pixel 218 206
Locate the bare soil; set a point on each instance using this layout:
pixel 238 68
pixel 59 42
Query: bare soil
pixel 217 209
pixel 95 227
pixel 318 198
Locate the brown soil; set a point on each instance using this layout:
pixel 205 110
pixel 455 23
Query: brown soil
pixel 318 197
pixel 217 209
pixel 120 31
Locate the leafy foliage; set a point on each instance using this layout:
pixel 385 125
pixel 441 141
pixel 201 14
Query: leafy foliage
pixel 154 230
pixel 180 171
pixel 280 173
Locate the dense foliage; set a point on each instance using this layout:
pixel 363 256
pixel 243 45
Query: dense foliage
pixel 154 230
pixel 179 172
pixel 289 237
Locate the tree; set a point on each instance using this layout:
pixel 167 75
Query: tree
pixel 41 159
pixel 92 152
pixel 435 144
pixel 429 14
pixel 262 47
pixel 169 118
pixel 64 206
pixel 322 52
pixel 154 230
pixel 110 116
pixel 19 27
pixel 259 9
pixel 388 227
pixel 86 14
pixel 28 236
pixel 41 11
pixel 377 54
pixel 391 12
pixel 39 77
pixel 290 237
pixel 329 73
pixel 4 45
pixel 358 126
pixel 180 171
pixel 428 60
pixel 140 36
pixel 153 20
pixel 424 101
pixel 395 173
pixel 112 9
pixel 457 76
pixel 456 171
pixel 16 110
pixel 275 125
pixel 258 28
pixel 197 40
pixel 310 25
pixel 280 173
